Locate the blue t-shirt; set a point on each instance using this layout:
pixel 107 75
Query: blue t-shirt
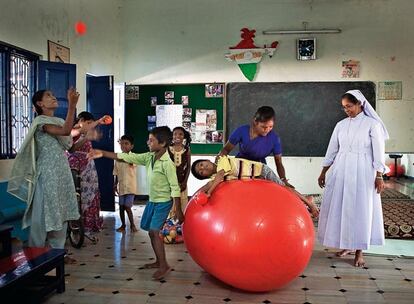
pixel 258 148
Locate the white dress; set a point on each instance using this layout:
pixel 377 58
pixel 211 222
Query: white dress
pixel 351 211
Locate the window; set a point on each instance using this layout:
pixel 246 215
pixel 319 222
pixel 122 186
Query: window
pixel 18 70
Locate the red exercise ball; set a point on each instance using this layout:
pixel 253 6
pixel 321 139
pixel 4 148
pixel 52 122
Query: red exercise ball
pixel 254 235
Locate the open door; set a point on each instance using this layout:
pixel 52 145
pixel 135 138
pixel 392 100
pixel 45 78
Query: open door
pixel 100 102
pixel 57 77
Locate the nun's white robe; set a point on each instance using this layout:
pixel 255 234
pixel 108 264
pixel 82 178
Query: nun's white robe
pixel 351 212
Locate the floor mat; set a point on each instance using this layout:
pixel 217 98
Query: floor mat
pixel 398 218
pixel 393 194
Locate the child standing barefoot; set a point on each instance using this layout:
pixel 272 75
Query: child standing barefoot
pixel 180 154
pixel 41 175
pixel 163 185
pixel 125 184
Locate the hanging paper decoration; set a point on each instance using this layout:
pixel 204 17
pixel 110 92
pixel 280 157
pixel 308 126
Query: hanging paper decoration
pixel 247 55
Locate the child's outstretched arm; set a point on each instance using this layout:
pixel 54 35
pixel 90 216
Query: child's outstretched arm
pixel 96 153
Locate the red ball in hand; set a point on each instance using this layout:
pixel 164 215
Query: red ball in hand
pixel 107 120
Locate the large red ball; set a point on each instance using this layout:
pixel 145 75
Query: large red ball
pixel 254 235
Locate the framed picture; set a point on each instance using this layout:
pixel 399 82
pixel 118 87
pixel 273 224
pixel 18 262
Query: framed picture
pixel 214 90
pixel 57 52
pixel 131 92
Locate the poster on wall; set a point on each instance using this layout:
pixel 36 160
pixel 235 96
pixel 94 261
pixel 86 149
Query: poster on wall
pixel 390 90
pixel 214 137
pixel 154 101
pixel 151 122
pixel 205 124
pixel 57 52
pixel 131 92
pixel 214 90
pixel 350 69
pixel 184 100
pixel 169 115
pixel 187 118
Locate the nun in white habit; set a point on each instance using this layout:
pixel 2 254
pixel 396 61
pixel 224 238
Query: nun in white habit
pixel 351 212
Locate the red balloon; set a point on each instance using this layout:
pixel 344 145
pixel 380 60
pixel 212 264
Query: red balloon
pixel 80 28
pixel 254 235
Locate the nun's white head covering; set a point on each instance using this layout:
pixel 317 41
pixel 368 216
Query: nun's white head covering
pixel 369 110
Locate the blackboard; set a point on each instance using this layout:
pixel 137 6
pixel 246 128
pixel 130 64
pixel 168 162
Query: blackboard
pixel 306 112
pixel 137 111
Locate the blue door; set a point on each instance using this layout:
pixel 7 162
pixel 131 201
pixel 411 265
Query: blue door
pixel 57 77
pixel 100 102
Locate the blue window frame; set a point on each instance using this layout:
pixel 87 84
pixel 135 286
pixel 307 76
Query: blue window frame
pixel 18 70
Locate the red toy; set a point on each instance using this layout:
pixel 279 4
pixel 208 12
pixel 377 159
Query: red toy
pixel 253 235
pixel 80 28
pixel 107 120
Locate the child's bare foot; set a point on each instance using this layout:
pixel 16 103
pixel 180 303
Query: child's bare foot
pixel 152 265
pixel 133 228
pixel 161 273
pixel 343 253
pixel 359 259
pixel 121 229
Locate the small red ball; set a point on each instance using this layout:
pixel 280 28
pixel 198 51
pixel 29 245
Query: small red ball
pixel 80 28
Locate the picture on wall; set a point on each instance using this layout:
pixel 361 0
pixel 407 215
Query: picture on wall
pixel 57 52
pixel 214 90
pixel 153 101
pixel 131 92
pixel 350 69
pixel 184 100
pixel 151 122
pixel 214 137
pixel 169 94
pixel 169 101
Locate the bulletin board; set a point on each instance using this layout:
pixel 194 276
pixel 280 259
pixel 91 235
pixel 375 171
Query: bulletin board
pixel 140 103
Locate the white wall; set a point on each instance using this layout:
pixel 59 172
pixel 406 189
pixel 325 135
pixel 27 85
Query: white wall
pixel 28 24
pixel 184 42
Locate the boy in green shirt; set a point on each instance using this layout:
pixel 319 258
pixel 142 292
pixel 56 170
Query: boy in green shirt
pixel 163 185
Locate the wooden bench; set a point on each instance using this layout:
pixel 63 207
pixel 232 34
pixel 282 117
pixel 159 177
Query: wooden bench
pixel 23 274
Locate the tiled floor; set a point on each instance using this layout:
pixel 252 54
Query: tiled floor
pixel 111 272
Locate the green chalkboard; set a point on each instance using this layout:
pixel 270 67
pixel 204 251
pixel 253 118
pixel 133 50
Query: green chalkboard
pixel 138 110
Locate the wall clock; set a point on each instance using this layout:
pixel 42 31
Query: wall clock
pixel 306 48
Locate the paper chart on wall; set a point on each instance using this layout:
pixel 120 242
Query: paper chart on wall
pixel 169 115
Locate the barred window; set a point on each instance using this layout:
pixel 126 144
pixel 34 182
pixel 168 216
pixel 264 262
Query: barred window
pixel 18 69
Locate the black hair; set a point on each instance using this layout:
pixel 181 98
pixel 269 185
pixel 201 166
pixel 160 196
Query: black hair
pixel 187 136
pixel 85 116
pixel 38 96
pixel 194 171
pixel 162 134
pixel 350 97
pixel 128 138
pixel 264 114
